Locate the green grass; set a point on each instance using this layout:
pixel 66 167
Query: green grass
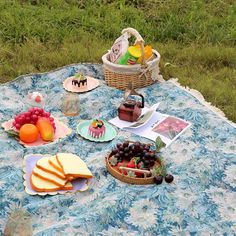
pixel 196 38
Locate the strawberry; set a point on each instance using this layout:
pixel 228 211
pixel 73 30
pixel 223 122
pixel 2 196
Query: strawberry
pixel 130 165
pixel 121 164
pixel 140 166
pixel 38 99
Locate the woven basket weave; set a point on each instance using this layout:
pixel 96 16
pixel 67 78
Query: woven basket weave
pixel 140 75
pixel 127 179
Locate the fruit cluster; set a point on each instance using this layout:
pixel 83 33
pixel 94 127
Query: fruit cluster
pixel 31 117
pixel 143 155
pixel 97 123
pixel 33 122
pixel 138 156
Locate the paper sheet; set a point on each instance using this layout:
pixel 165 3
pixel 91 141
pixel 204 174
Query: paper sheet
pixel 168 128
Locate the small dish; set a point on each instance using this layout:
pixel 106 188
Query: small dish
pixel 36 98
pixel 79 185
pixel 62 130
pixel 82 129
pixel 91 84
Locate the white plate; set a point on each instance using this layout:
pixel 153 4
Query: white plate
pixel 91 84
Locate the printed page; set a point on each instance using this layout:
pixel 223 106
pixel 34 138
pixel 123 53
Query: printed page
pixel 144 118
pixel 146 130
pixel 154 124
pixel 170 128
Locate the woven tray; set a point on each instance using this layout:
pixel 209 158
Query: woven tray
pixel 127 179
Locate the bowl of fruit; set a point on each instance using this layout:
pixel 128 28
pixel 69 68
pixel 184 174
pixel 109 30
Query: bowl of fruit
pixel 137 163
pixel 35 127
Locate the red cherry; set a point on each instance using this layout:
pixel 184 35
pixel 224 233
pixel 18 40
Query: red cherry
pixel 38 99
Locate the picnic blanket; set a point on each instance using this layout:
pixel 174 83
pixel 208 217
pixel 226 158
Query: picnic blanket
pixel 200 201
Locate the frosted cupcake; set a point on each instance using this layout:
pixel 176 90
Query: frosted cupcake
pixel 79 80
pixel 97 129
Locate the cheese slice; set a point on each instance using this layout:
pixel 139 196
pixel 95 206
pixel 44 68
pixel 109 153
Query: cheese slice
pixel 41 185
pixel 49 177
pixel 72 165
pixel 53 161
pixel 44 164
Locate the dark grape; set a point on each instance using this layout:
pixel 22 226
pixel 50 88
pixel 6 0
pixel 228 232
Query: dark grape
pixel 146 163
pixel 130 154
pixel 119 145
pixel 131 146
pixel 169 178
pixel 126 155
pixel 147 156
pixel 126 149
pixel 152 156
pixel 121 153
pixel 133 149
pixel 137 144
pixel 138 154
pixel 126 144
pixel 146 147
pixel 141 147
pixel 117 156
pixel 152 162
pixel 158 179
pixel 121 149
pixel 144 152
pixel 114 151
pixel 142 158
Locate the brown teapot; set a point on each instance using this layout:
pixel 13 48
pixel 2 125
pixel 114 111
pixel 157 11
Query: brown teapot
pixel 129 109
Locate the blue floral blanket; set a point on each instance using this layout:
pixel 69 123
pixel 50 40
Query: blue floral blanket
pixel 200 201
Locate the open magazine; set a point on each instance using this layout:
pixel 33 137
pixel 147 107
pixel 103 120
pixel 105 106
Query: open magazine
pixel 152 124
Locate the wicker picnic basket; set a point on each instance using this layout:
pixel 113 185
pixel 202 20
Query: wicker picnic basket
pixel 140 75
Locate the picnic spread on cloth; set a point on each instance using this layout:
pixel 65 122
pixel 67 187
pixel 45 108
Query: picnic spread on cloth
pixel 201 199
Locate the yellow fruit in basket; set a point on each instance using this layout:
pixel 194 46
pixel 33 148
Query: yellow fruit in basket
pixel 147 53
pixel 28 133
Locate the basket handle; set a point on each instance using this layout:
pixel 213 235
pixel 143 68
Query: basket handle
pixel 145 172
pixel 139 40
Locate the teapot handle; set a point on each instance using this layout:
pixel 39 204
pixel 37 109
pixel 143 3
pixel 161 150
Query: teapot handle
pixel 130 91
pixel 142 105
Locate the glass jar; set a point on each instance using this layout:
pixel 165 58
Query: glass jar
pixel 70 104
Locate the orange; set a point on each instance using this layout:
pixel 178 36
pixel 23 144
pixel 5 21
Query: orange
pixel 94 124
pixel 28 133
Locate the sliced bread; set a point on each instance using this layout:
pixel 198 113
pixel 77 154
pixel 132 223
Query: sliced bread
pixel 41 185
pixel 49 177
pixel 44 164
pixel 53 161
pixel 73 166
